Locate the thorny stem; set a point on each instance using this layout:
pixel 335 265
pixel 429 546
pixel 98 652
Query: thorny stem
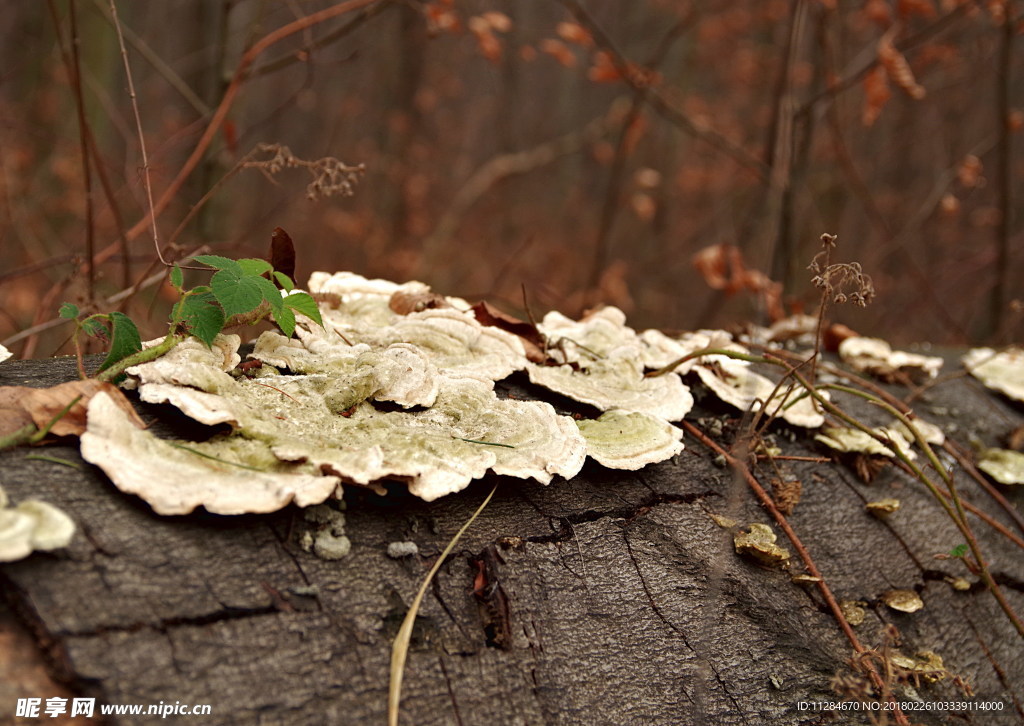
pixel 143 356
pixel 17 438
pixel 41 433
pixel 798 545
pixel 958 516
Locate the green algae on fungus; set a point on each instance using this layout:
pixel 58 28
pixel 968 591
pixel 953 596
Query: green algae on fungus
pixel 631 441
pixel 226 475
pixel 325 421
pixel 617 382
pixel 400 373
pixel 440 450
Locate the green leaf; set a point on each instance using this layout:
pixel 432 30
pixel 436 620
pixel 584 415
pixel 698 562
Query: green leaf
pixel 959 551
pixel 95 328
pixel 68 311
pixel 236 293
pixel 204 318
pixel 177 278
pixel 253 266
pixel 285 319
pixel 270 293
pixel 284 281
pixel 302 302
pixel 125 340
pixel 221 263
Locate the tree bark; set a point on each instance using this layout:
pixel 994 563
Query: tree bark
pixel 613 598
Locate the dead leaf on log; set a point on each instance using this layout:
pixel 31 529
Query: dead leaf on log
pixel 533 341
pixel 415 300
pixel 21 406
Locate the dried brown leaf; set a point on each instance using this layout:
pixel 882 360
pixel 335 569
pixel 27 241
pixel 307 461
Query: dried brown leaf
pixel 21 405
pixel 533 341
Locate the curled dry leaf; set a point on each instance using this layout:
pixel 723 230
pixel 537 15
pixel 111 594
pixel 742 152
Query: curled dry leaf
pixel 853 611
pixel 906 601
pixel 759 544
pixel 533 340
pixel 414 299
pixel 883 506
pixel 21 406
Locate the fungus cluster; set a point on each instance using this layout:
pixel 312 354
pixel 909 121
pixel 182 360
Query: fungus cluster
pixel 399 384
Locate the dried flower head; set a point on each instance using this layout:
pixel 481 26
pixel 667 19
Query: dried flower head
pixel 330 176
pixel 841 281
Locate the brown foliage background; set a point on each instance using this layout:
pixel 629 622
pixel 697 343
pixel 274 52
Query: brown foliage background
pixel 585 149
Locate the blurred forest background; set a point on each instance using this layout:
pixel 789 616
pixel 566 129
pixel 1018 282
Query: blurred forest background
pixel 591 150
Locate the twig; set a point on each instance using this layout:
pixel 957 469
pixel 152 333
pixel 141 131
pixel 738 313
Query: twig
pixel 610 208
pixel 83 136
pixel 220 114
pixel 166 72
pixel 138 129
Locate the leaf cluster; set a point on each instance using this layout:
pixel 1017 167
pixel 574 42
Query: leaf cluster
pixel 240 291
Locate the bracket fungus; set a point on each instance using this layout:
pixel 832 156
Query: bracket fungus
pixel 4 354
pixel 736 384
pixel 603 364
pixel 876 357
pixel 855 441
pixel 226 477
pixel 398 384
pixel 905 601
pixel 621 440
pixel 1001 371
pixel 1003 465
pixel 30 526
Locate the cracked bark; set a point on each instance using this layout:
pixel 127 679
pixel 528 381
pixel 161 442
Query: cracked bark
pixel 620 602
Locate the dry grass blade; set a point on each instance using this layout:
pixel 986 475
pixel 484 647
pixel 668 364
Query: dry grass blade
pixel 400 648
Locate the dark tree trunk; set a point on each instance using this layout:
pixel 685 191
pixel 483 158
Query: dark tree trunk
pixel 613 598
